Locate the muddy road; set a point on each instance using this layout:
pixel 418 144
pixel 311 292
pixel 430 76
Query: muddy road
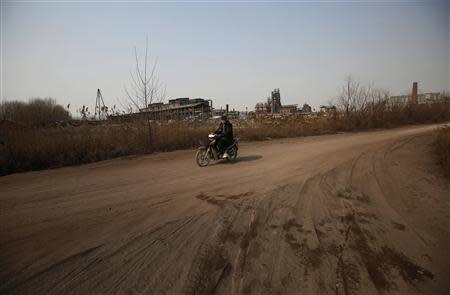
pixel 362 213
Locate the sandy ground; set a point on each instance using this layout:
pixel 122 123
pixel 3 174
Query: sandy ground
pixel 361 213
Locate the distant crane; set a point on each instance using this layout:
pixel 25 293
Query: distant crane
pixel 101 111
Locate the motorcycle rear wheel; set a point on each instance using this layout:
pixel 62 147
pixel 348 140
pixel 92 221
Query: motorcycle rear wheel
pixel 233 154
pixel 202 158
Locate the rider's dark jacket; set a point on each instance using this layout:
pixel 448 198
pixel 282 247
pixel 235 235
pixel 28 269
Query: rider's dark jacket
pixel 226 129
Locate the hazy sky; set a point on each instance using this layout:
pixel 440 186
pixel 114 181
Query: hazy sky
pixel 235 53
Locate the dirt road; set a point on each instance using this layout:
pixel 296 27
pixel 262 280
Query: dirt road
pixel 361 213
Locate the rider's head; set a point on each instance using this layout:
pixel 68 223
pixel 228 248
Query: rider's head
pixel 223 118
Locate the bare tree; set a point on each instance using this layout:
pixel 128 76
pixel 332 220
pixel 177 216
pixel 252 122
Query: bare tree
pixel 362 104
pixel 348 97
pixel 145 87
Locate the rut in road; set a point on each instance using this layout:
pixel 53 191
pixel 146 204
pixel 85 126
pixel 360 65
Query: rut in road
pixel 294 242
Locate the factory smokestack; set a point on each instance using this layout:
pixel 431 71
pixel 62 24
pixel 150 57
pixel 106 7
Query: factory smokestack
pixel 414 94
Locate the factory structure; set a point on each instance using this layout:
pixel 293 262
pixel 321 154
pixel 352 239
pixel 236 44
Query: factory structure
pixel 273 106
pixel 180 109
pixel 186 108
pixel 417 98
pixel 201 109
pixel 422 98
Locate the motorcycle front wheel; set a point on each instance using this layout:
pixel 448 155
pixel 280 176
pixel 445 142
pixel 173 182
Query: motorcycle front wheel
pixel 202 157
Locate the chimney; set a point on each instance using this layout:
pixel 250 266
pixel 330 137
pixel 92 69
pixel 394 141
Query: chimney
pixel 226 109
pixel 414 94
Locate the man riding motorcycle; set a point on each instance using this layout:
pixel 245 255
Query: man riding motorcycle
pixel 224 135
pixel 221 144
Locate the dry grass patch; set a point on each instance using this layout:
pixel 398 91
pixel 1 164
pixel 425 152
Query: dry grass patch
pixel 24 149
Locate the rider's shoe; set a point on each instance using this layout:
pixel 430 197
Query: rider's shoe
pixel 225 155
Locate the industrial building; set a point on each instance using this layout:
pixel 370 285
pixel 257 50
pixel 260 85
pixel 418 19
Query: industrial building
pixel 288 109
pixel 231 114
pixel 180 109
pixel 327 109
pixel 184 108
pixel 416 98
pixel 273 106
pixel 423 98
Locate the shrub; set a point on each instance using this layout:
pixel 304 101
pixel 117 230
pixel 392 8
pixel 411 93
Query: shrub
pixel 37 112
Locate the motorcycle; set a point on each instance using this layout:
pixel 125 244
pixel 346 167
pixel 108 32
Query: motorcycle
pixel 210 152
